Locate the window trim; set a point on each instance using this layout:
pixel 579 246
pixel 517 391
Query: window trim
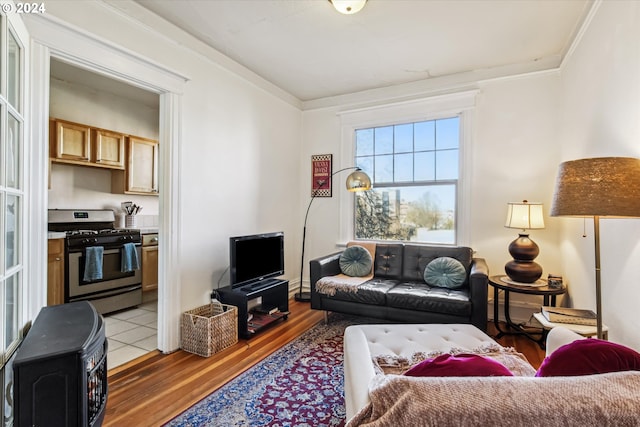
pixel 431 108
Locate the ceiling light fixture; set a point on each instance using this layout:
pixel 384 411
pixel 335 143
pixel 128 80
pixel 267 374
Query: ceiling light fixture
pixel 348 7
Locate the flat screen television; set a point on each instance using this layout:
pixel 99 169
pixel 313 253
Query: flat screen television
pixel 255 257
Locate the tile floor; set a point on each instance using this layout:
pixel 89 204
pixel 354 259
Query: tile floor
pixel 131 333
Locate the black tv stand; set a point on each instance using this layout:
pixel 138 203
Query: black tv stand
pixel 275 296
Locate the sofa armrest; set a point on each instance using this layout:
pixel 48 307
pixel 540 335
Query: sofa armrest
pixel 560 336
pixel 358 370
pixel 478 289
pixel 328 265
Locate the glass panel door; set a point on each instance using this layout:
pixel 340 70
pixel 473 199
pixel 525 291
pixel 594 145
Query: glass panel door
pixel 12 199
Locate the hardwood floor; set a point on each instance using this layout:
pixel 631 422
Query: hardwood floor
pixel 155 388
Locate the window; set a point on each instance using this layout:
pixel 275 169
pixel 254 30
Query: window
pixel 414 168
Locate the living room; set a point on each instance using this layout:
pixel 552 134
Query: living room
pixel 236 151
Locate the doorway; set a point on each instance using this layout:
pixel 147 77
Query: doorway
pixel 91 54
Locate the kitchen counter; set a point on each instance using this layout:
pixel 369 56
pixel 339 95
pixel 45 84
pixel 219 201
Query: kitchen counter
pixel 56 235
pixel 148 230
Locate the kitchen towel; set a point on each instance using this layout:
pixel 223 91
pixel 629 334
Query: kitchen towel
pixel 93 263
pixel 129 258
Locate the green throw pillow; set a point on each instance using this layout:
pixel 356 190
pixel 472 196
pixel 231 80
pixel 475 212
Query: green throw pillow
pixel 355 261
pixel 445 272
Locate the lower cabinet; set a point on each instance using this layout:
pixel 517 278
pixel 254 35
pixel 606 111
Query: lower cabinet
pixel 149 262
pixel 55 271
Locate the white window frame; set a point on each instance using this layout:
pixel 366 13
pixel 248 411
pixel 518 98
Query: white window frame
pixel 431 108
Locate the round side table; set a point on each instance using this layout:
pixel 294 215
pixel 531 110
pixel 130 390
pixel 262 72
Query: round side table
pixel 507 286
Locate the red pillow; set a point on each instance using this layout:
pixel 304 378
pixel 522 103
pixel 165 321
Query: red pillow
pixel 589 356
pixel 461 365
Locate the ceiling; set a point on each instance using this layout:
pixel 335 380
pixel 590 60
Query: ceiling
pixel 311 51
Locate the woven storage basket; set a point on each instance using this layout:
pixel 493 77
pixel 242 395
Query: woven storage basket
pixel 209 329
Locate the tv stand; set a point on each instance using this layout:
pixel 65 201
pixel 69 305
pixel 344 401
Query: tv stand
pixel 275 296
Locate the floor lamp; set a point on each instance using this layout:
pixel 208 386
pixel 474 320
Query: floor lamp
pixel 606 187
pixel 356 181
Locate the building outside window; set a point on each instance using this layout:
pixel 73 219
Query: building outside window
pixel 414 168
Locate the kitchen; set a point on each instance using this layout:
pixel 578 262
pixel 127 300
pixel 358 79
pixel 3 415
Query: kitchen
pixel 82 102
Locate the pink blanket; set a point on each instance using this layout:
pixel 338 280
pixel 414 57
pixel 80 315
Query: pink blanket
pixel 594 400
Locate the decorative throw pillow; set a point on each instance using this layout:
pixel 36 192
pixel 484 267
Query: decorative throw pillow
pixel 461 365
pixel 445 272
pixel 355 261
pixel 587 357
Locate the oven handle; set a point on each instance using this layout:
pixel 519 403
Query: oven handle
pixel 105 294
pixel 106 252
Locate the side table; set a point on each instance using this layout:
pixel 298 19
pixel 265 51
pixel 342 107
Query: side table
pixel 503 283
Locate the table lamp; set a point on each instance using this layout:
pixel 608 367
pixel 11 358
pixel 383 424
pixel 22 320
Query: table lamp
pixel 598 187
pixel 525 216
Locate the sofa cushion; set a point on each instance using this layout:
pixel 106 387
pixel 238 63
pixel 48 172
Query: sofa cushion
pixel 422 297
pixel 460 365
pixel 445 272
pixel 388 262
pixel 416 258
pixel 355 261
pixel 587 357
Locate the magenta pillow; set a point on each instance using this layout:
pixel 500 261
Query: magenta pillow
pixel 589 356
pixel 461 365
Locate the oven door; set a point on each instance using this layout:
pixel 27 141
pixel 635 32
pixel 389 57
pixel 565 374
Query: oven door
pixel 112 277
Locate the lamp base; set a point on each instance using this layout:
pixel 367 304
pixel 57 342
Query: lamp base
pixel 303 296
pixel 522 268
pixel 523 271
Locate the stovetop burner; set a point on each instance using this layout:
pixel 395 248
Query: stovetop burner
pixel 102 232
pixel 91 228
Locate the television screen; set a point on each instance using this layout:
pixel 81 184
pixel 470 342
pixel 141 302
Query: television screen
pixel 255 257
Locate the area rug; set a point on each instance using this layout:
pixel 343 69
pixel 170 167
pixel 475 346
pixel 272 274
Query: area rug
pixel 299 385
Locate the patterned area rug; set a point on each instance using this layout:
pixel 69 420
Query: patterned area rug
pixel 299 385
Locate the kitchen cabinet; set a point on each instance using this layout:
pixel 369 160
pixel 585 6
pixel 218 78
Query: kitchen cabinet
pixel 141 173
pixel 149 262
pixel 70 142
pixel 55 271
pixel 109 148
pixel 79 144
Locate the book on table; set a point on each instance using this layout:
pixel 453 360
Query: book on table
pixel 575 316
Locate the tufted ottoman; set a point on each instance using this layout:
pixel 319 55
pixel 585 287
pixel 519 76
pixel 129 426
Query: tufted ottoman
pixel 362 342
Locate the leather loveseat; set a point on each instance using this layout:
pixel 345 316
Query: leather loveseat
pixel 397 291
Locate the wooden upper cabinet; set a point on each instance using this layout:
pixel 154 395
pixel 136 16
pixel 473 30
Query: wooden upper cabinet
pixel 141 174
pixel 109 148
pixel 142 169
pixel 70 142
pixel 80 144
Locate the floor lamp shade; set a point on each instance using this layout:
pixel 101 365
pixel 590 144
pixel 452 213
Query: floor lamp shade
pixel 356 181
pixel 525 216
pixel 598 187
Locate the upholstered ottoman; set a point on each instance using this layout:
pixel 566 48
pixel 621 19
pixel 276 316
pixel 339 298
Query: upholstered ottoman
pixel 362 342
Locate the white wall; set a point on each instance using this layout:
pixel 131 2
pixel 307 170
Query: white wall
pixel 513 157
pixel 239 158
pixel 78 187
pixel 600 94
pixel 245 143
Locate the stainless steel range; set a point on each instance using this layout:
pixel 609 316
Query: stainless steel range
pixel 101 262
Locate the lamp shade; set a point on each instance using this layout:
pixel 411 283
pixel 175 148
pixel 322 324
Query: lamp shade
pixel 524 215
pixel 358 181
pixel 601 186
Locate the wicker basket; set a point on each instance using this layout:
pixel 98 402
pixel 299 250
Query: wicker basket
pixel 209 329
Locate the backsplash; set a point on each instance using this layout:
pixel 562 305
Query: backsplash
pixel 142 221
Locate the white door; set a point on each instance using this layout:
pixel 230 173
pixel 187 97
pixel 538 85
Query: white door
pixel 13 183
